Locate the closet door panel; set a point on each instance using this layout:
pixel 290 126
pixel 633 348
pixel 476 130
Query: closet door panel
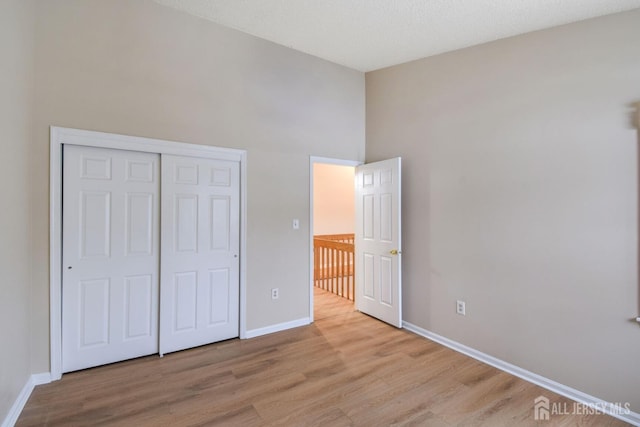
pixel 110 256
pixel 200 249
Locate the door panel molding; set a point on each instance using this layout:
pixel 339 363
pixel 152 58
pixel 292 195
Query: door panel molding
pixel 60 136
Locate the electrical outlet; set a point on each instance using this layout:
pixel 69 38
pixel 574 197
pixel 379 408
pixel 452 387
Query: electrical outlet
pixel 461 308
pixel 275 293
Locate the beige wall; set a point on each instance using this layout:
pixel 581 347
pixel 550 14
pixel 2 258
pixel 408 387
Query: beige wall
pixel 333 199
pixel 16 111
pixel 138 68
pixel 520 193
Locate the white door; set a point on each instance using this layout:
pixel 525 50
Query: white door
pixel 377 240
pixel 200 252
pixel 110 256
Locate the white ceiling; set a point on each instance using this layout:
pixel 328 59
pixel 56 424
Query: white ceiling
pixel 371 34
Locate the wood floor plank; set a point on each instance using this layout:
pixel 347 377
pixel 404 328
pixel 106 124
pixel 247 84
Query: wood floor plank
pixel 347 369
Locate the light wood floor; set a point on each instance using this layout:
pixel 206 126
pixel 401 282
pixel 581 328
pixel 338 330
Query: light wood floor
pixel 345 369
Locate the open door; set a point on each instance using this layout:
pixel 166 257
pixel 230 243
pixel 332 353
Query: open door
pixel 378 241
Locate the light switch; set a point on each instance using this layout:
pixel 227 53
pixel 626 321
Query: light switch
pixel 296 224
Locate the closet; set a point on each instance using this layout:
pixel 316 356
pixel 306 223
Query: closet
pixel 150 252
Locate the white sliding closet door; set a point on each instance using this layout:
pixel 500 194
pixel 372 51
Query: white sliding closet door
pixel 200 252
pixel 110 256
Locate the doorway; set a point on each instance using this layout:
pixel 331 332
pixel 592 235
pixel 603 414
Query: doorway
pixel 332 211
pixel 378 243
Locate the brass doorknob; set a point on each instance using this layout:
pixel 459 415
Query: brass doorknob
pixel 394 252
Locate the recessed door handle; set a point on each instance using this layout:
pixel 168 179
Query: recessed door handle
pixel 394 252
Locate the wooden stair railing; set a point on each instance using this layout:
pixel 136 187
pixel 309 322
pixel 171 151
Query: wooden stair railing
pixel 333 264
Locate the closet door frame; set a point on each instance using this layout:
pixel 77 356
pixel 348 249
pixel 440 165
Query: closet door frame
pixel 60 136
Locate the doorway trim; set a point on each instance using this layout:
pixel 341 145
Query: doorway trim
pixel 312 161
pixel 60 136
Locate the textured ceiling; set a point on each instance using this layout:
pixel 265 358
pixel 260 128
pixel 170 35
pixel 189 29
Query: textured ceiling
pixel 371 34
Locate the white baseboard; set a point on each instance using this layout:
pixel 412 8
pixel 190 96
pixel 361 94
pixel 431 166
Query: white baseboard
pixel 277 328
pixel 632 418
pixel 14 413
pixel 39 379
